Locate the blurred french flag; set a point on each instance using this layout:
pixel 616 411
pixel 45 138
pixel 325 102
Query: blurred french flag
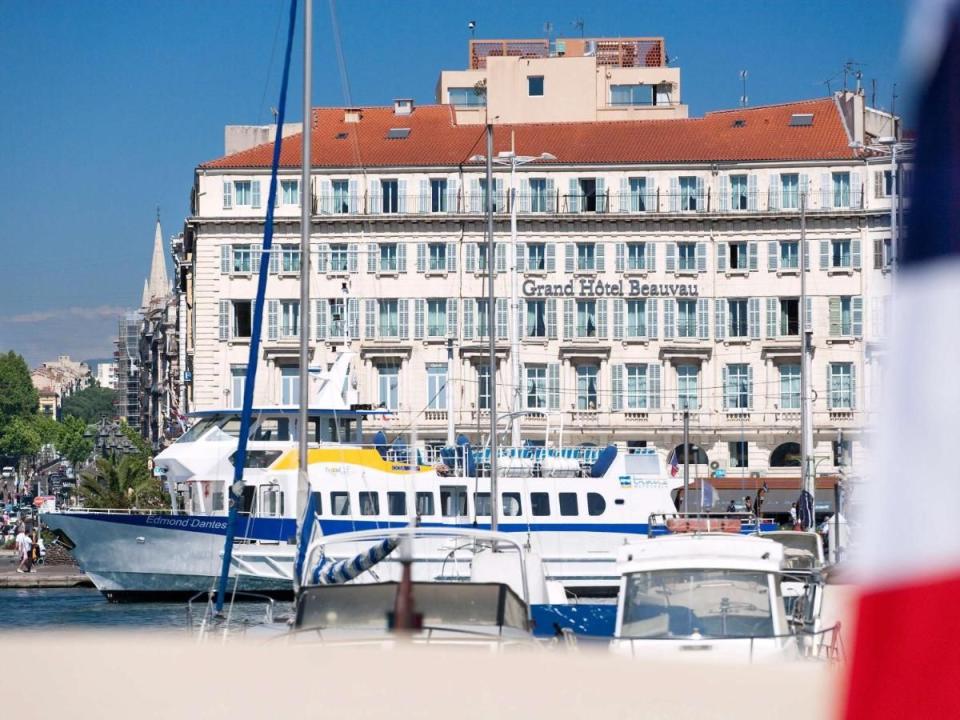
pixel 906 657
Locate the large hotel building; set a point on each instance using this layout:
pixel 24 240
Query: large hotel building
pixel 657 259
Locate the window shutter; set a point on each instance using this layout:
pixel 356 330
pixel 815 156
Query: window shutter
pixel 772 316
pixel 651 318
pixel 373 255
pixel 226 258
pixel 752 192
pixel 553 386
pixel 701 257
pixel 520 319
pixel 401 257
pixel 651 200
pixel 601 195
pixel 370 324
pixel 353 253
pixel 500 252
pixel 523 195
pixel 376 197
pixel 724 193
pixel 877 254
pixel 674 194
pixel 418 318
pixel 669 328
pixel 421 257
pixel 773 193
pixel 352 326
pixel 701 196
pixel 573 198
pixel 725 383
pixel 855 252
pixel 602 319
pixel 826 196
pixel 452 307
pixel 853 386
pixel 721 256
pixel 703 318
pixel 653 386
pixel 551 257
pixel 830 386
pixel 856 190
pixel 498 198
pixel 320 319
pixel 750 387
pixel 809 314
pixel 227 194
pixel 616 386
pixel 403 318
pixel 671 257
pixel 805 249
pixel 772 248
pixel 451 257
pixel 322 260
pixel 879 186
pixel 824 254
pixel 569 259
pixel 856 305
pixel 470 262
pixel 720 318
pixel 453 188
pixel 568 319
pixel 552 318
pixel 469 306
pixel 805 189
pixel 426 197
pixel 752 255
pixel 476 196
pixel 551 196
pixel 521 258
pixel 273 261
pixel 621 261
pixel 600 258
pixel 502 315
pixel 255 194
pixel 273 311
pixel 353 199
pixel 224 319
pixel 835 327
pixel 753 317
pixel 650 259
pixel 401 196
pixel 256 252
pixel 618 308
pixel 625 204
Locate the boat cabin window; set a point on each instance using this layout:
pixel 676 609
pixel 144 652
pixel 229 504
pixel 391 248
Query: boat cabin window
pixel 453 500
pixel 216 501
pixel 199 428
pixel 425 504
pixel 334 429
pixel 340 503
pixel 396 503
pixel 272 429
pixel 271 501
pixel 539 503
pixel 711 603
pixel 568 504
pixel 481 503
pixel 510 503
pixel 596 504
pixel 369 503
pixel 257 459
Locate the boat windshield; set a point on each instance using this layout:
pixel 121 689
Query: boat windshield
pixel 808 541
pixel 693 603
pixel 200 428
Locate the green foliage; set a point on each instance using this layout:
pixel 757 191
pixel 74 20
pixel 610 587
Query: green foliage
pixel 136 439
pixel 20 438
pixel 18 397
pixel 47 428
pixel 71 443
pixel 90 404
pixel 122 483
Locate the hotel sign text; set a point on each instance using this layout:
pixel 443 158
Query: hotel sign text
pixel 592 288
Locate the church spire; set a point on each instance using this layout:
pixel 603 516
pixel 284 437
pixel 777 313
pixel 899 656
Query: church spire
pixel 145 298
pixel 159 285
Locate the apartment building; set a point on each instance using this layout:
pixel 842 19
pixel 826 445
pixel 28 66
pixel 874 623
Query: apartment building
pixel 657 262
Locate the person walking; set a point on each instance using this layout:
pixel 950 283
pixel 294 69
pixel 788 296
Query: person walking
pixel 24 547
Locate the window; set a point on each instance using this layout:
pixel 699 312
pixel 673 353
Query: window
pixel 482 318
pixel 883 249
pixel 636 318
pixel 425 504
pixel 738 256
pixel 289 385
pixel 586 256
pixel 436 386
pixel 340 503
pixel 510 504
pixel 785 455
pixel 438 196
pixel 538 195
pixel 339 258
pixel 539 503
pixel 790 387
pixel 436 318
pixel 388 258
pixel 841 385
pixel 396 503
pixel 536 387
pixel 290 191
pixel 586 318
pixel 568 504
pixel 243 191
pixel 689 196
pixel 738 194
pixel 595 504
pixel 536 325
pixel 789 316
pixel 242 259
pixel 687 318
pixel 638 194
pixel 842 453
pixel 238 380
pixel 466 97
pixel 290 318
pixel 636 398
pixel 883 182
pixel 388 382
pixel 841 189
pixel 289 259
pixel 587 386
pixel 737 391
pixel 842 320
pixel 687 256
pixel 687 376
pixel 241 318
pixel 388 318
pixel 789 254
pixel 482 257
pixel 341 196
pixel 438 257
pixel 369 503
pixel 483 387
pixel 739 455
pixel 587 200
pixel 840 254
pixel 483 195
pixel 636 256
pixel 481 504
pixel 453 500
pixel 631 94
pixel 790 191
pixel 738 324
pixel 536 256
pixel 390 201
pixel 535 85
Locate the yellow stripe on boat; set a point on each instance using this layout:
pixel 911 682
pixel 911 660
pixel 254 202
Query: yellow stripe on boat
pixel 364 457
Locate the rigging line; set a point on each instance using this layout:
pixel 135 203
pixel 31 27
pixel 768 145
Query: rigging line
pixel 273 50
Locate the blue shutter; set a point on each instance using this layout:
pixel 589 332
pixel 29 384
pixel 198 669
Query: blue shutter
pixel 353 317
pixel 550 250
pixel 470 261
pixel 601 203
pixel 753 317
pixel 453 187
pixel 650 195
pixel 551 196
pixel 226 258
pixel 772 259
pixel 401 257
pixel 600 257
pixel 568 329
pixel 552 318
pixel 256 253
pixel 502 319
pixel 752 192
pixel 521 257
pixel 618 310
pixel 500 253
pixel 703 318
pixel 370 323
pixel 701 257
pixel 227 194
pixel 671 257
pixel 721 256
pixel 824 254
pixel 720 318
pixel 255 194
pixel 573 197
pixel 451 257
pixel 418 319
pixel 602 319
pixel 856 304
pixel 322 259
pixel 616 387
pixel 650 261
pixel 855 252
pixel 752 255
pixel 569 257
pixel 320 319
pixel 373 255
pixel 553 386
pixel 621 261
pixel 403 318
pixel 469 306
pixel 669 325
pixel 452 317
pixel 224 319
pixel 273 311
pixel 421 257
pixel 651 309
pixel 772 316
pixel 653 386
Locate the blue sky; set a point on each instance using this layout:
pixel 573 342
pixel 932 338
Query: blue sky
pixel 110 105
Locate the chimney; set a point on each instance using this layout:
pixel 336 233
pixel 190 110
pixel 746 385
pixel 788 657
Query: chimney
pixel 352 115
pixel 402 106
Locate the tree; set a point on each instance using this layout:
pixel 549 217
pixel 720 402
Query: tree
pixel 90 404
pixel 71 441
pixel 121 483
pixel 20 438
pixel 18 396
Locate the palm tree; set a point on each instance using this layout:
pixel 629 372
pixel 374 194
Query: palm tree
pixel 122 483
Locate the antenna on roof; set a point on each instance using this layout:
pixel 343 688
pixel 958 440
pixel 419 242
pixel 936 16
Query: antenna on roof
pixel 743 78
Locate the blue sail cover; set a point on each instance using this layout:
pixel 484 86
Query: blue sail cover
pixel 335 572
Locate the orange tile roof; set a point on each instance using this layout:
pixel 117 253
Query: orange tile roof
pixel 436 140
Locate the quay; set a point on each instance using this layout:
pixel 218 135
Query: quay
pixel 42 576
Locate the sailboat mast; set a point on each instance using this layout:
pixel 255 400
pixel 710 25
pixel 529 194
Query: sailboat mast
pixel 491 333
pixel 306 202
pixel 808 476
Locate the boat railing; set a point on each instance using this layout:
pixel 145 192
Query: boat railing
pixel 701 522
pixel 122 511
